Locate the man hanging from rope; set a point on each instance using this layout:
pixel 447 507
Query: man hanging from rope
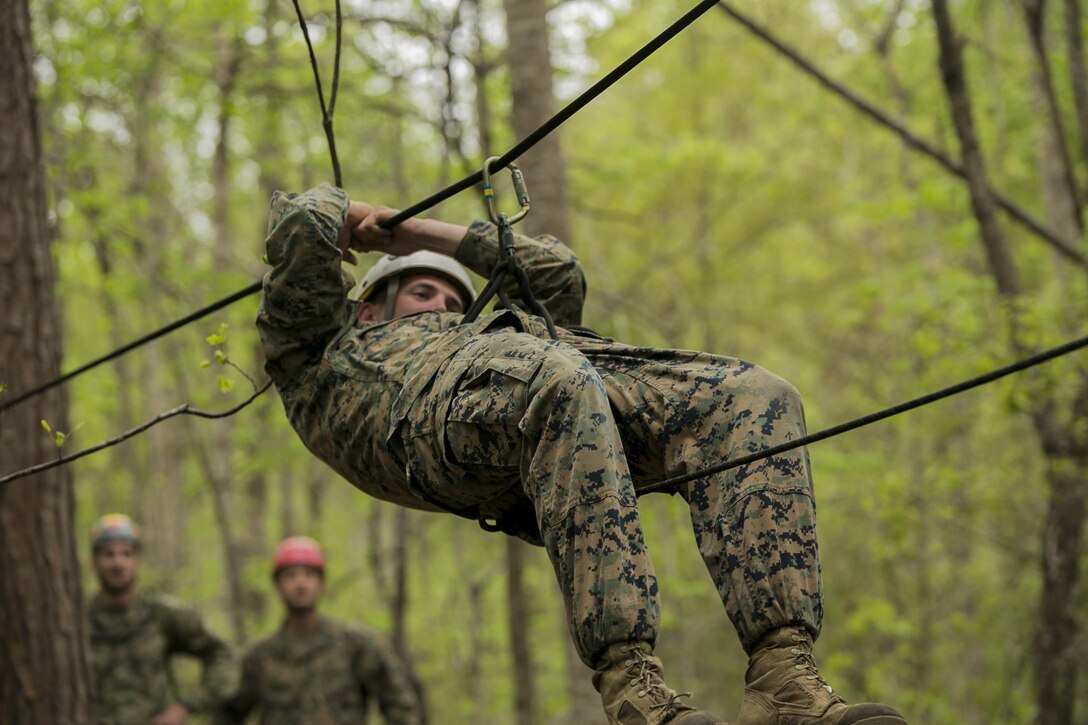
pixel 551 440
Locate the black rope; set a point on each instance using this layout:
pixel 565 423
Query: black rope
pixel 555 121
pixel 670 484
pixel 203 312
pixel 521 147
pixel 909 138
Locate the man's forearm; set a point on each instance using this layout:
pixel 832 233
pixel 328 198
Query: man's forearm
pixel 437 236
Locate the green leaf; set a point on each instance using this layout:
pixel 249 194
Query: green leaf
pixel 45 426
pixel 60 438
pixel 219 336
pixel 205 364
pixel 225 384
pixel 221 356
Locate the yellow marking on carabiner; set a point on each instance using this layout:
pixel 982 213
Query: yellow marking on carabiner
pixel 520 190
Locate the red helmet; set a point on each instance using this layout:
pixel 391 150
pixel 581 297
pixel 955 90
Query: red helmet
pixel 298 551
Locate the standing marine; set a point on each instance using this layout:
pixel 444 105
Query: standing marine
pixel 315 669
pixel 134 634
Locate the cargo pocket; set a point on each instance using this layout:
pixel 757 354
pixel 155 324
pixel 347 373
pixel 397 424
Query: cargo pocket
pixel 481 426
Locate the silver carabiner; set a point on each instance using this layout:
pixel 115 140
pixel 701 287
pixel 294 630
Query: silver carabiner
pixel 519 189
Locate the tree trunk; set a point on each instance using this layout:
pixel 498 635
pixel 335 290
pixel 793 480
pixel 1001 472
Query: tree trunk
pixel 402 534
pixel 474 668
pixel 481 69
pixel 162 510
pixel 518 602
pixel 1056 663
pixel 44 675
pixel 1001 264
pixel 217 467
pixel 1078 71
pixel 288 483
pixel 256 544
pixel 533 103
pixel 530 66
pixel 229 65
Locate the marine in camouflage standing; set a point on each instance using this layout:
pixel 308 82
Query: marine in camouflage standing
pixel 492 419
pixel 315 670
pixel 133 636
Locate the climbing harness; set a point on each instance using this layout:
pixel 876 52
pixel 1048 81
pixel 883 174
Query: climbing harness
pixel 508 262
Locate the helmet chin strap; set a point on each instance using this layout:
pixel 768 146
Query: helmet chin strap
pixel 391 287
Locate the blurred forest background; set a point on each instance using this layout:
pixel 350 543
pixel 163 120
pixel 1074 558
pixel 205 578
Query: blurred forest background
pixel 719 199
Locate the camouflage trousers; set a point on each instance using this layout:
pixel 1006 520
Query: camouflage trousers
pixel 579 425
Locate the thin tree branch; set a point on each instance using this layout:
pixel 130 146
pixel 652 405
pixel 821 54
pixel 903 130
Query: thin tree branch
pixel 884 37
pixel 184 409
pixel 336 60
pixel 399 23
pixel 326 114
pixel 247 376
pixel 1002 266
pixel 911 139
pixel 1035 19
pixel 313 58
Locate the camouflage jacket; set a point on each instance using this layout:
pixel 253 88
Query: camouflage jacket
pixel 327 677
pixel 131 650
pixel 346 387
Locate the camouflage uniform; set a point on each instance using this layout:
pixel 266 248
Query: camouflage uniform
pixel 477 418
pixel 131 650
pixel 327 677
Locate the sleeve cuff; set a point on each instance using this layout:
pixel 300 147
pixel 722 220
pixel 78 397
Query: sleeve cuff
pixel 479 248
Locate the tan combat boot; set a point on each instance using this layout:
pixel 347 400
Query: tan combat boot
pixel 783 687
pixel 629 679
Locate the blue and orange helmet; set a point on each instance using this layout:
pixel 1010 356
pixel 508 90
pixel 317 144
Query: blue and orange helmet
pixel 114 527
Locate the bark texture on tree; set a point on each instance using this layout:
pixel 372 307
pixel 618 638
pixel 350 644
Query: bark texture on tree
pixel 518 603
pixel 529 60
pixel 1056 662
pixel 399 605
pixel 1001 264
pixel 41 616
pixel 528 57
pixel 1078 71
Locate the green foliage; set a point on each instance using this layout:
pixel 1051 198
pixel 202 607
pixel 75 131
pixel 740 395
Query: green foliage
pixel 59 437
pixel 721 201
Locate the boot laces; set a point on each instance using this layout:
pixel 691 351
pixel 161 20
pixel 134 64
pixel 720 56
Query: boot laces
pixel 807 663
pixel 644 671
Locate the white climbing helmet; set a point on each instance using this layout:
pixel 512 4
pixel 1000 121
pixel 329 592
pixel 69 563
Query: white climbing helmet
pixel 391 269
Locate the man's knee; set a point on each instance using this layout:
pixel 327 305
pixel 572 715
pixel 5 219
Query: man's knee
pixel 763 383
pixel 772 402
pixel 566 375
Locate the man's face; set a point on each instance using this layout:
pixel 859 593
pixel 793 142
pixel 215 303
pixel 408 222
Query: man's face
pixel 116 564
pixel 418 293
pixel 300 587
